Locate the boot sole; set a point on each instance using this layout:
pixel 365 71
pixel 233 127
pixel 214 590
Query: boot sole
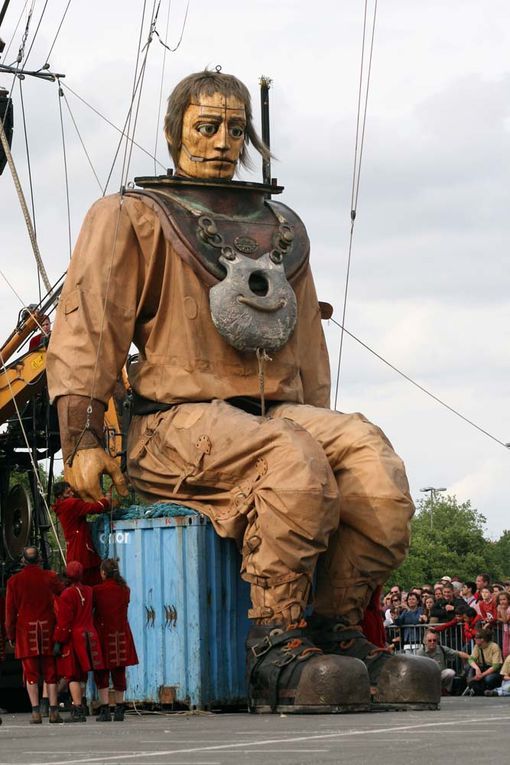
pixel 288 709
pixel 297 709
pixel 414 706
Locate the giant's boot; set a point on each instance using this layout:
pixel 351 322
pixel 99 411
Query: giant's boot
pixel 404 681
pixel 288 673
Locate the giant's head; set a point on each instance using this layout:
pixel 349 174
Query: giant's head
pixel 209 124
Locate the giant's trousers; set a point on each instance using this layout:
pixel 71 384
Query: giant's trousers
pixel 304 490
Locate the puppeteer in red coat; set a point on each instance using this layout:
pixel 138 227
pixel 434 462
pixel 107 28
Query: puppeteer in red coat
pixel 111 602
pixel 2 626
pixel 78 648
pixel 72 514
pixel 30 617
pixel 29 623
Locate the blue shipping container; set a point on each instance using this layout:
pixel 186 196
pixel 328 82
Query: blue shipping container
pixel 187 612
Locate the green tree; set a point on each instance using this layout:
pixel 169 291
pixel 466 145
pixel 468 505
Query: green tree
pixel 448 537
pixel 501 553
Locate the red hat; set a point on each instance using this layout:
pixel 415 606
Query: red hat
pixel 74 571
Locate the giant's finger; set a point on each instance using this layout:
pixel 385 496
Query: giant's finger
pixel 86 473
pixel 118 478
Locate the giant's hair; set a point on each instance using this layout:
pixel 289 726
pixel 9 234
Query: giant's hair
pixel 207 83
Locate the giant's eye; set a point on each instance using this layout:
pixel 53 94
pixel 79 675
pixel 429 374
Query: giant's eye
pixel 236 131
pixel 207 128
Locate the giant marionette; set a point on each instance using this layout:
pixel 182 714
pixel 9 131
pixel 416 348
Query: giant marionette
pixel 211 281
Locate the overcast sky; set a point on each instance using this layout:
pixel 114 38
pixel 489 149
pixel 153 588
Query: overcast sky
pixel 430 275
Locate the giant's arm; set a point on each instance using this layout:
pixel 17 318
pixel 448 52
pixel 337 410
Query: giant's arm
pixel 91 338
pixel 314 360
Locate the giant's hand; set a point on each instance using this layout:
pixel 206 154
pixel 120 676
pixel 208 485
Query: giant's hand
pixel 86 470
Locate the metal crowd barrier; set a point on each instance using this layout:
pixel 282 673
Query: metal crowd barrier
pixel 410 637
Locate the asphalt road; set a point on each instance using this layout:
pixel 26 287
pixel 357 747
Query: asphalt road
pixel 466 730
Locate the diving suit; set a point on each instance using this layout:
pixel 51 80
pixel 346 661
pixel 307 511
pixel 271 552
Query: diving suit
pixel 211 281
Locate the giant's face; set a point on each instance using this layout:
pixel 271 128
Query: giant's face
pixel 212 137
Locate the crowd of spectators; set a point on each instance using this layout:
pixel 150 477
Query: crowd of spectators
pixel 464 624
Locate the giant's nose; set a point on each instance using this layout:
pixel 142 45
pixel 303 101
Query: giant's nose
pixel 222 138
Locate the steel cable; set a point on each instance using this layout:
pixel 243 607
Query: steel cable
pixel 356 172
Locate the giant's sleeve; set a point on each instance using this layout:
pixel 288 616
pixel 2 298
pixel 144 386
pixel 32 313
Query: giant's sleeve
pixel 96 313
pixel 313 353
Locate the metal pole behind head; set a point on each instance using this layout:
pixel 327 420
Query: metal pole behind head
pixel 265 84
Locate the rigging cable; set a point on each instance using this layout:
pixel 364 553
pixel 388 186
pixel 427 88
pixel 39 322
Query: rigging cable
pixel 69 236
pixel 137 80
pixel 12 166
pixel 127 122
pixel 153 31
pixel 136 83
pixel 36 30
pixel 81 140
pixel 129 145
pixel 29 166
pixel 161 86
pixel 179 41
pixel 109 122
pixel 420 387
pixel 15 30
pixel 24 207
pixel 356 172
pixel 58 31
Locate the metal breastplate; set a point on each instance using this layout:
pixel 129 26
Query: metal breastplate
pixel 246 249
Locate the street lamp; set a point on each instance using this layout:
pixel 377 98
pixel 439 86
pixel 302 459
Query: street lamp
pixel 433 490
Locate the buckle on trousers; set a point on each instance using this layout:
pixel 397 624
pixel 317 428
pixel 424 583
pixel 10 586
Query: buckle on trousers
pixel 264 647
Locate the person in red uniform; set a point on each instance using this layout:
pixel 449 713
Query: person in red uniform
pixel 72 513
pixel 2 630
pixel 41 340
pixel 2 625
pixel 76 643
pixel 111 600
pixel 30 620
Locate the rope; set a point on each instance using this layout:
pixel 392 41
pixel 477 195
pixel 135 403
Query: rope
pixel 420 387
pixel 23 203
pixel 29 165
pixel 262 357
pixel 66 176
pixel 356 174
